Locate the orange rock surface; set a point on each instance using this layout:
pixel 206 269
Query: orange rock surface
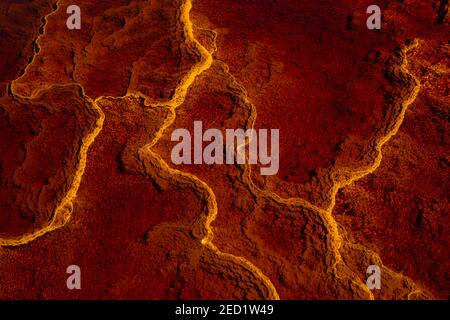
pixel 86 118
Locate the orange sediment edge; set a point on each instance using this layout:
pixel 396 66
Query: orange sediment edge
pixel 353 175
pixel 37 49
pixel 329 221
pixel 336 242
pixel 180 95
pixel 64 210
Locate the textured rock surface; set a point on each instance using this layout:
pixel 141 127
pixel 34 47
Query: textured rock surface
pixel 39 161
pixel 87 179
pixel 20 24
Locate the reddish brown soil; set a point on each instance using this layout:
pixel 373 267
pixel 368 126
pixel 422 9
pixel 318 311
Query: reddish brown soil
pixel 39 159
pixel 401 211
pixel 85 150
pixel 19 24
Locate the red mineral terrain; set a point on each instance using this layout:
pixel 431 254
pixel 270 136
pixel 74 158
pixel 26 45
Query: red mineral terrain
pixel 87 177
